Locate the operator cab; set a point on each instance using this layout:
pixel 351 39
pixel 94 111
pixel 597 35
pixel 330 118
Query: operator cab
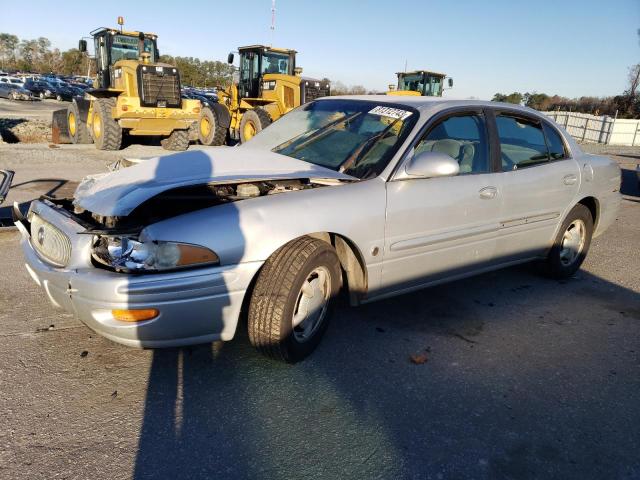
pixel 113 45
pixel 258 60
pixel 423 82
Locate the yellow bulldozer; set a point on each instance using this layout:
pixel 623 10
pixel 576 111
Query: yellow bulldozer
pixel 420 83
pixel 133 93
pixel 268 85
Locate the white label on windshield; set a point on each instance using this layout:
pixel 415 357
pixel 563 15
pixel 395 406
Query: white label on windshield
pixel 390 112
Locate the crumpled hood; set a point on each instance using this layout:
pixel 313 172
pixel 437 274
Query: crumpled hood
pixel 119 193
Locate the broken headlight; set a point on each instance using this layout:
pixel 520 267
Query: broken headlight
pixel 125 254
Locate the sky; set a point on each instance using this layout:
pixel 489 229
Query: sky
pixel 566 47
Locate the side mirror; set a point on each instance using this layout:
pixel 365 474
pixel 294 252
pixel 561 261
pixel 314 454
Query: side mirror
pixel 82 46
pixel 431 165
pixel 230 58
pixel 450 82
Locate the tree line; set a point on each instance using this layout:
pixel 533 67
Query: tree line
pixel 38 56
pixel 625 105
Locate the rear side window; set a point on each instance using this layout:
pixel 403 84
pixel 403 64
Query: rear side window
pixel 462 137
pixel 555 143
pixel 522 142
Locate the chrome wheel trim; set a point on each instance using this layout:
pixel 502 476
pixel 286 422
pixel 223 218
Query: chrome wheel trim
pixel 573 241
pixel 312 304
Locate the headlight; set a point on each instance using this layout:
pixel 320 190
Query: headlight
pixel 126 254
pixel 48 92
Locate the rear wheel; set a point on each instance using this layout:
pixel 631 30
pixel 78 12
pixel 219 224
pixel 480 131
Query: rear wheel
pixel 78 131
pixel 210 131
pixel 292 299
pixel 177 141
pixel 571 244
pixel 105 131
pixel 41 95
pixel 252 122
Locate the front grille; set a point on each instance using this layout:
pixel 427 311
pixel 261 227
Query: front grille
pixel 159 86
pixel 312 89
pixel 49 242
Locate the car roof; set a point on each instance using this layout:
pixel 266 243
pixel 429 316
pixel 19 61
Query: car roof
pixel 424 103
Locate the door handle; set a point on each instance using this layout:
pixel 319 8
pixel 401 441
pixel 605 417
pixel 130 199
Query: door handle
pixel 570 179
pixel 487 193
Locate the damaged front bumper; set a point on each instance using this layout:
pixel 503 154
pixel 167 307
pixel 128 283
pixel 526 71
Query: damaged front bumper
pixel 195 306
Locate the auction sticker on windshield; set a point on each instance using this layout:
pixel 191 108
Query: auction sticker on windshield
pixel 390 112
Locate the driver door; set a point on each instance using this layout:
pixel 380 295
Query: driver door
pixel 443 227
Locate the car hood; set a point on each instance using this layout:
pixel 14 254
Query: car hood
pixel 119 193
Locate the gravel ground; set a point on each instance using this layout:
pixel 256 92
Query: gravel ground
pixel 526 378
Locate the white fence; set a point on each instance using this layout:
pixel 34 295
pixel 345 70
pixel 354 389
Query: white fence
pixel 605 129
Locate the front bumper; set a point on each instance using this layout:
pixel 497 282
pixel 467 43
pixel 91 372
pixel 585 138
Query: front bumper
pixel 196 306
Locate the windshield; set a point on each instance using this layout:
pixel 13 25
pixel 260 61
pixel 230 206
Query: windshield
pixel 352 136
pixel 124 47
pixel 414 82
pixel 275 63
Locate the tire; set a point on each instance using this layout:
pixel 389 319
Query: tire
pixel 253 121
pixel 41 95
pixel 177 141
pixel 14 96
pixel 59 98
pixel 277 298
pixel 78 131
pixel 571 244
pixel 105 131
pixel 210 130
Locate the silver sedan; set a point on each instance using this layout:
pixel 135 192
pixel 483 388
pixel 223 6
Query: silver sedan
pixel 367 197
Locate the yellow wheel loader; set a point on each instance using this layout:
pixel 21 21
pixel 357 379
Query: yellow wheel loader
pixel 268 85
pixel 420 83
pixel 133 94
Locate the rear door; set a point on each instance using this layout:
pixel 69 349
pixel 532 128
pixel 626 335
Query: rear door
pixel 539 182
pixel 443 227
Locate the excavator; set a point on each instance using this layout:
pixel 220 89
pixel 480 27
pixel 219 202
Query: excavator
pixel 268 85
pixel 133 93
pixel 420 83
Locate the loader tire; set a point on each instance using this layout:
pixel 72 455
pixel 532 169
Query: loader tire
pixel 210 130
pixel 105 131
pixel 78 131
pixel 253 121
pixel 178 141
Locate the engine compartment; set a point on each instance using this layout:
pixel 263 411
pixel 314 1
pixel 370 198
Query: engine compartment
pixel 180 200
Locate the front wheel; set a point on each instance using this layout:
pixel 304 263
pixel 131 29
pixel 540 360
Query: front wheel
pixel 571 244
pixel 253 121
pixel 177 141
pixel 292 299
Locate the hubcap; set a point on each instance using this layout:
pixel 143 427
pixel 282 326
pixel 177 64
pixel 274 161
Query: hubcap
pixel 572 242
pixel 312 303
pixel 97 126
pixel 72 124
pixel 205 127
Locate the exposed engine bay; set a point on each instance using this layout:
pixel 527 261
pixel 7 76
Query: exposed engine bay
pixel 177 201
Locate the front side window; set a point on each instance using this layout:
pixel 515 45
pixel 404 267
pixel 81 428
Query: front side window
pixel 522 142
pixel 358 138
pixel 463 138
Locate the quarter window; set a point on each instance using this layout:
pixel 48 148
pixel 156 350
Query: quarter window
pixel 555 143
pixel 522 142
pixel 463 138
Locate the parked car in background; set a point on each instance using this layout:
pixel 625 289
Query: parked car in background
pixel 373 196
pixel 12 80
pixel 14 92
pixel 40 88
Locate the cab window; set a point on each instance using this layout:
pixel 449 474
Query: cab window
pixel 462 137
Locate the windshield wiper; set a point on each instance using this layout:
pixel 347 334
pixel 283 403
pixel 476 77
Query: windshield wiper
pixel 312 136
pixel 362 150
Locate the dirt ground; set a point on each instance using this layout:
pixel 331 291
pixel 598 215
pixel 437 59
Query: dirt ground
pixel 525 378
